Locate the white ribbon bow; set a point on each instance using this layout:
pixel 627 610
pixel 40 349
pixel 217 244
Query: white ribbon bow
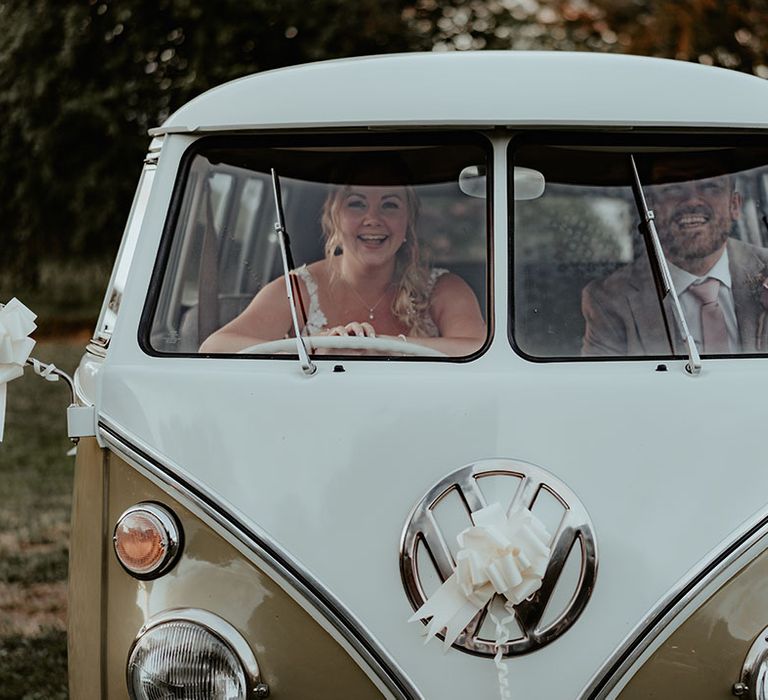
pixel 501 554
pixel 16 323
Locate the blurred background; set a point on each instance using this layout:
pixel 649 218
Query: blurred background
pixel 81 81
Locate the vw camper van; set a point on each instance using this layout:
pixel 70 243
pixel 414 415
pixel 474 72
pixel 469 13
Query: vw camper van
pixel 434 376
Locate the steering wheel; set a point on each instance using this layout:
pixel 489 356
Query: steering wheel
pixel 388 346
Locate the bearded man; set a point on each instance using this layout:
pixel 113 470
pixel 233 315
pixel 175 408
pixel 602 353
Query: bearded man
pixel 717 279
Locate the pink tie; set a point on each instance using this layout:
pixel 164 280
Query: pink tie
pixel 713 329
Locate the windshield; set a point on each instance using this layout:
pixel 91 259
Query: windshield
pixel 386 254
pixel 584 285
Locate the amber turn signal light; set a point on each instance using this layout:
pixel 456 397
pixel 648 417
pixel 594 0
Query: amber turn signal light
pixel 147 540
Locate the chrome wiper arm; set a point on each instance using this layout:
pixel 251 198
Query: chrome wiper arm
pixel 665 286
pixel 307 366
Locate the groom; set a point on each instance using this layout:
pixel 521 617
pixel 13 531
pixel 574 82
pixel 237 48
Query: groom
pixel 717 278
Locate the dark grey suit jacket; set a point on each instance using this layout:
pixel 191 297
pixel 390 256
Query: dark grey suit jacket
pixel 623 316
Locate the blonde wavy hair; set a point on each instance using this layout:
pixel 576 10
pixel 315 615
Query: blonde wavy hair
pixel 410 304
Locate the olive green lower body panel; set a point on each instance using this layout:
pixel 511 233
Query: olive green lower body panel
pixel 702 659
pixel 297 657
pixel 86 575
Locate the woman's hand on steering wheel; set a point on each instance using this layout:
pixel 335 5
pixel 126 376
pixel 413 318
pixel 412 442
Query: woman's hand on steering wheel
pixel 361 329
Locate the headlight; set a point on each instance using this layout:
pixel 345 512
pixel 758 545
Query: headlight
pixel 189 654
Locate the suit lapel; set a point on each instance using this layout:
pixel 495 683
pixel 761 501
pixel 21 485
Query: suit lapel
pixel 646 312
pixel 747 272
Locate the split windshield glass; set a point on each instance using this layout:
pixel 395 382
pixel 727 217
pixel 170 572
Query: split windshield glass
pixel 385 241
pixel 582 282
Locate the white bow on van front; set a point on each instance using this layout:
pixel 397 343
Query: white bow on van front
pixel 16 323
pixel 500 554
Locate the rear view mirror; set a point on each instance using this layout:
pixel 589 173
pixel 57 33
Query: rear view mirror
pixel 528 183
pixel 472 181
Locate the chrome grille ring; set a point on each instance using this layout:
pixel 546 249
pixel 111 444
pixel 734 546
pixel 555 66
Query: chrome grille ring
pixel 423 536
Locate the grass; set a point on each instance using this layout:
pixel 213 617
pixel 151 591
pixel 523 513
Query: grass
pixel 45 567
pixel 36 478
pixel 34 668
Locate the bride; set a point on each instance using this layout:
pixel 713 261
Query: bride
pixel 371 282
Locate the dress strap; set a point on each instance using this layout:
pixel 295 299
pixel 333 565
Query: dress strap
pixel 430 327
pixel 316 319
pixel 435 274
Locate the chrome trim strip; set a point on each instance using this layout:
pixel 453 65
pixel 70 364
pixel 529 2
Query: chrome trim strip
pixel 401 125
pixel 667 609
pixel 316 595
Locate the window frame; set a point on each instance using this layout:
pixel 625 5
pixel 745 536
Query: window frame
pixel 395 139
pixel 641 138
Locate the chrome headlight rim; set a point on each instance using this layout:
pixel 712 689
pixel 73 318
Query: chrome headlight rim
pixel 224 632
pixel 752 681
pixel 173 531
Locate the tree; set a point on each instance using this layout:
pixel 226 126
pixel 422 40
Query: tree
pixel 731 35
pixel 81 81
pixel 728 34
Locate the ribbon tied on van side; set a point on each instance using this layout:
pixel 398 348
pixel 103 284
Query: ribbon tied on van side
pixel 500 554
pixel 16 323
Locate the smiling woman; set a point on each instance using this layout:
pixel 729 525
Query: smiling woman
pixel 361 276
pixel 371 281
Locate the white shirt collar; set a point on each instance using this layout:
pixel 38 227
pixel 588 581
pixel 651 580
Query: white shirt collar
pixel 682 279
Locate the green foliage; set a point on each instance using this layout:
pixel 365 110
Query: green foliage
pixel 82 81
pixel 68 297
pixel 729 34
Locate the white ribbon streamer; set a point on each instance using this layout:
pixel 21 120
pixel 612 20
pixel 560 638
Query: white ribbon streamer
pixel 502 637
pixel 500 554
pixel 47 372
pixel 16 323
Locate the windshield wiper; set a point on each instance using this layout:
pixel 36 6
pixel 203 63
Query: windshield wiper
pixel 307 366
pixel 661 276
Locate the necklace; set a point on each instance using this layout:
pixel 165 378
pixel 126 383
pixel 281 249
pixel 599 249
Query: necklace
pixel 371 309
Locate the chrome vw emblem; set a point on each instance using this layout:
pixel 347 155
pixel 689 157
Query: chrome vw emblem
pixel 570 576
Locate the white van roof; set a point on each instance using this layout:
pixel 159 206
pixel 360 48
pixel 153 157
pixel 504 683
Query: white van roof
pixel 482 88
